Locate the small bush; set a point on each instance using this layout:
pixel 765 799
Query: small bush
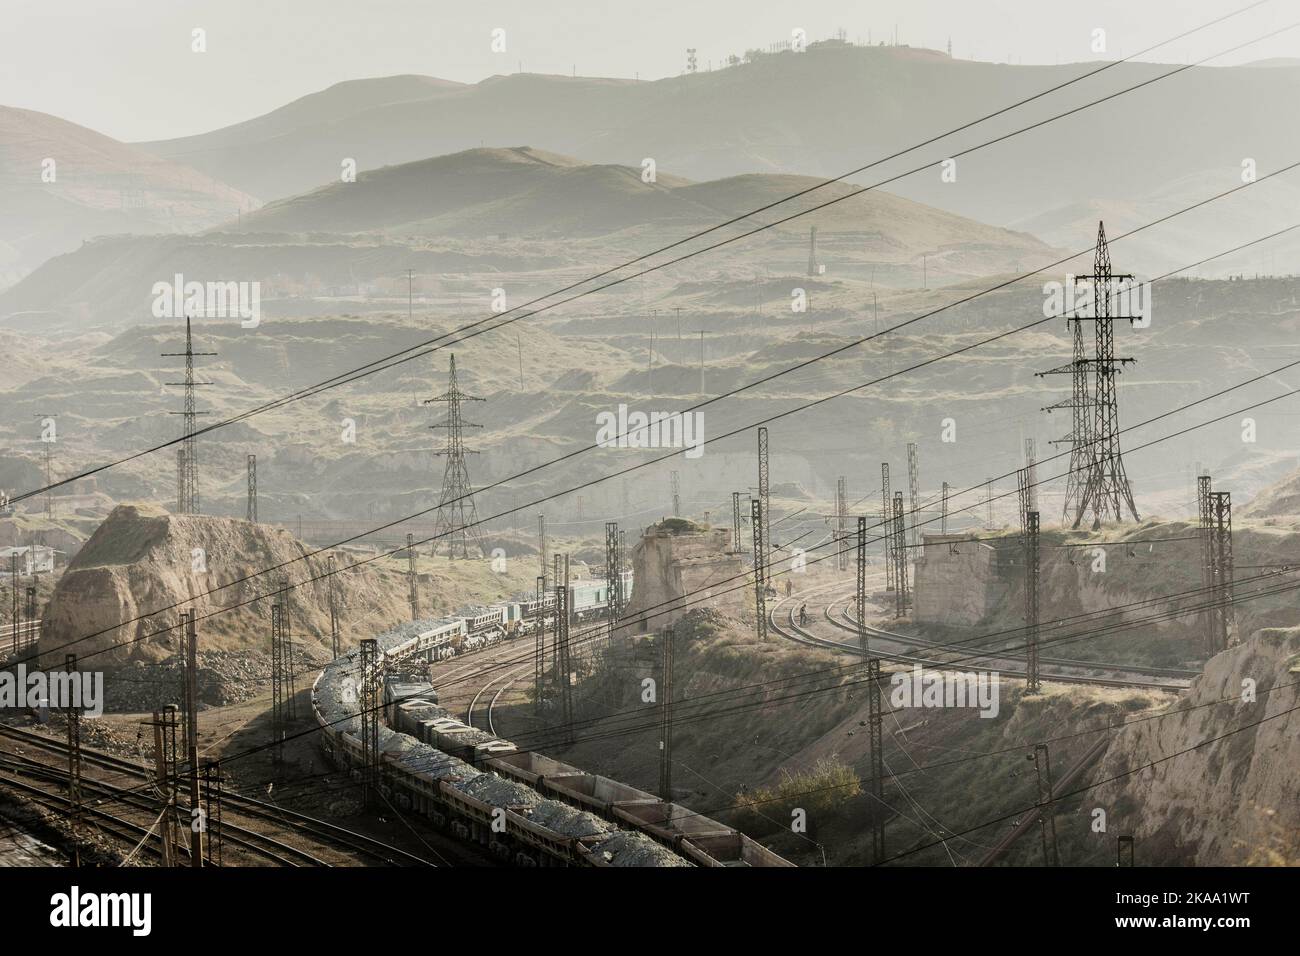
pixel 821 790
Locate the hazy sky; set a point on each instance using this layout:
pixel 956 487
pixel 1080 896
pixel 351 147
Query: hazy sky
pixel 125 67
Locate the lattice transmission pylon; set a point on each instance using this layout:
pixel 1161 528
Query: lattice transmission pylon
pixel 457 519
pixel 187 455
pixel 1107 489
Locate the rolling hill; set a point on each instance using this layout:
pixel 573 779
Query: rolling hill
pixel 503 212
pixel 100 187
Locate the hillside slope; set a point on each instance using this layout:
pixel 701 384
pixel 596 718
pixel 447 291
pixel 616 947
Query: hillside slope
pixel 500 211
pixel 1214 783
pixel 100 187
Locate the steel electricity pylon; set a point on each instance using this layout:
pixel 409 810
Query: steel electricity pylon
pixel 1107 489
pixel 187 456
pixel 1080 405
pixel 457 519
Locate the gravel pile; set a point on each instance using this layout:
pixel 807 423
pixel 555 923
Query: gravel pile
pixel 421 758
pixel 625 848
pixel 498 791
pixel 223 677
pixel 565 819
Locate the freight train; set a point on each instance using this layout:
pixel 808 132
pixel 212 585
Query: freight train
pixel 526 808
pixel 482 626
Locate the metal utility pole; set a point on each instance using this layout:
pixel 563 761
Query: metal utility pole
pixel 1107 489
pixel 1047 805
pixel 563 663
pixel 333 604
pixel 764 498
pixel 902 597
pixel 187 455
pixel 875 724
pixel 677 494
pixel 541 547
pixel 539 646
pixel 666 716
pixel 1208 552
pixel 914 492
pixel 860 596
pixel 1032 683
pixel 702 333
pixel 812 251
pixel 30 618
pixel 286 622
pixel 760 594
pixel 613 578
pixel 943 510
pixel 192 733
pixel 164 749
pixel 650 364
pixel 74 763
pixel 252 488
pixel 1124 851
pixel 1031 470
pixel 212 810
pixel 412 591
pixel 13 591
pixel 1221 508
pixel 370 696
pixel 735 521
pixel 183 655
pixel 457 518
pixel 886 523
pixel 279 664
pixel 1022 487
pixel 48 437
pixel 841 521
pixel 988 506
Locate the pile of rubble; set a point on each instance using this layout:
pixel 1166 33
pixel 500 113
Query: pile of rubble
pixel 223 678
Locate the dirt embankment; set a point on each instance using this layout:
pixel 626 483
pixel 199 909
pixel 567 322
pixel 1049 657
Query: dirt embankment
pixel 1214 783
pixel 1135 596
pixel 757 719
pixel 676 558
pixel 119 598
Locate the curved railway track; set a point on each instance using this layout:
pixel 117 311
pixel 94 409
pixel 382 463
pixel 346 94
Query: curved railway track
pixel 1053 669
pixel 329 839
pixel 510 676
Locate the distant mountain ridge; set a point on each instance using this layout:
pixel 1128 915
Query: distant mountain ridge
pixel 820 113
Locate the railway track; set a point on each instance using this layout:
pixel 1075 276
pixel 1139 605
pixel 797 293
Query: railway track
pixel 247 844
pixel 125 831
pixel 507 678
pixel 329 844
pixel 1164 679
